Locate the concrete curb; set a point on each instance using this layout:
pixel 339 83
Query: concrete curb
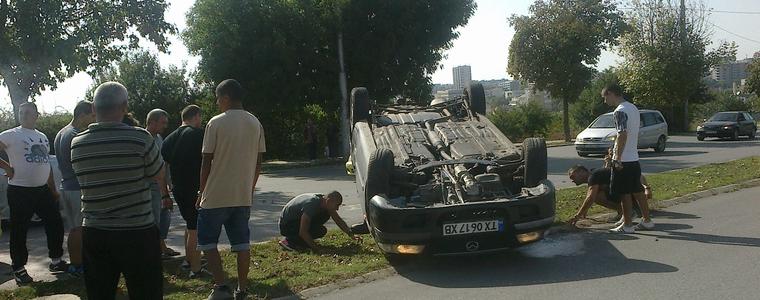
pixel 556 229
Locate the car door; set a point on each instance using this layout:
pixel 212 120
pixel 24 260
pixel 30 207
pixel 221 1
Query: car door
pixel 745 126
pixel 751 125
pixel 646 132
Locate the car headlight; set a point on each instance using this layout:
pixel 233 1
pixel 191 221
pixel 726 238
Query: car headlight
pixel 727 127
pixel 700 127
pixel 610 138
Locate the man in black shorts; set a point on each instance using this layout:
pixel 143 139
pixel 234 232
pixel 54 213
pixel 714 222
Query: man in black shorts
pixel 626 170
pixel 182 152
pixel 599 191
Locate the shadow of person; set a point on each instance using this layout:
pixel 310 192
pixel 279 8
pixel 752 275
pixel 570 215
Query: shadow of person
pixel 703 238
pixel 664 214
pixel 6 272
pixel 556 259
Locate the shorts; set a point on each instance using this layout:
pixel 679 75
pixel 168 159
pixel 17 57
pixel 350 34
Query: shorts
pixel 626 181
pixel 235 221
pixel 72 208
pixel 186 203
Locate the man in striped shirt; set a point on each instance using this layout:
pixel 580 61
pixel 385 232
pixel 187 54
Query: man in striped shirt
pixel 114 164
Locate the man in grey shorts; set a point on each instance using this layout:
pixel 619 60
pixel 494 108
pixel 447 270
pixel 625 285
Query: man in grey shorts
pixel 84 115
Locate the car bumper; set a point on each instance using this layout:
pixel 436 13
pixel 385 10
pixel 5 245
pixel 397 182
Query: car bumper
pixel 720 132
pixel 593 148
pixel 524 219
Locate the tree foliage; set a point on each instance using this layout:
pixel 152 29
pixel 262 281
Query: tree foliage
pixel 526 120
pixel 45 42
pixel 590 103
pixel 753 75
pixel 556 46
pixel 285 52
pixel 150 86
pixel 663 65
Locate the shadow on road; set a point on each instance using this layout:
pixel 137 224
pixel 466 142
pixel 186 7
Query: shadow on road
pixel 561 258
pixel 664 214
pixel 319 173
pixel 645 154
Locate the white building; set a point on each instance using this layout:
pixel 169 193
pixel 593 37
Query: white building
pixel 462 76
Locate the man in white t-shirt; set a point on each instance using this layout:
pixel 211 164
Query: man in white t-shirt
pixel 625 183
pixel 31 190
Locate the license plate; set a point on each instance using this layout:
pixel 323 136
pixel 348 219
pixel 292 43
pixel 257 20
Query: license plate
pixel 473 227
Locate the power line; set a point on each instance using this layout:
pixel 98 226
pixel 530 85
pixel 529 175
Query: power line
pixel 707 10
pixel 735 34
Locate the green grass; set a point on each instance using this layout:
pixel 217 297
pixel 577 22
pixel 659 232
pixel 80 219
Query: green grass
pixel 276 273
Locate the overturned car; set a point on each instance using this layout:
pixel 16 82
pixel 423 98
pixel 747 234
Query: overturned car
pixel 442 179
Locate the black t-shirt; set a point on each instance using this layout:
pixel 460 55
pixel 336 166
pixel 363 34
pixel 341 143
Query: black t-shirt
pixel 182 150
pixel 309 204
pixel 600 176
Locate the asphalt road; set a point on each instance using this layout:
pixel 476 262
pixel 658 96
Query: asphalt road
pixel 708 249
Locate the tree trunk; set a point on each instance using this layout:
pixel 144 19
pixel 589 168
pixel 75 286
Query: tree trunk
pixel 566 118
pixel 18 96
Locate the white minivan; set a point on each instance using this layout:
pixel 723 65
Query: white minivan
pixel 600 135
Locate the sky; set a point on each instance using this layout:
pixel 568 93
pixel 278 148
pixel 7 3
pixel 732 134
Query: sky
pixel 482 44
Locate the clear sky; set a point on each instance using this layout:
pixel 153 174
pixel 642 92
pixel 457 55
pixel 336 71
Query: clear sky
pixel 482 44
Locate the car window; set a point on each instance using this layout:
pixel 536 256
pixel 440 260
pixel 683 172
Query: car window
pixel 748 116
pixel 603 121
pixel 649 119
pixel 723 117
pixel 659 118
pixel 742 118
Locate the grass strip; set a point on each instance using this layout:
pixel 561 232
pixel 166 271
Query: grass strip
pixel 275 273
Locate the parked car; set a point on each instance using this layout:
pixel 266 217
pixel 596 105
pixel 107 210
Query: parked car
pixel 600 135
pixel 442 179
pixel 729 124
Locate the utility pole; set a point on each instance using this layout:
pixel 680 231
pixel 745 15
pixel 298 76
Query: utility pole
pixel 345 127
pixel 682 23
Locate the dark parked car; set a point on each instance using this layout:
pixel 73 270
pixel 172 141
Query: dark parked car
pixel 442 179
pixel 730 124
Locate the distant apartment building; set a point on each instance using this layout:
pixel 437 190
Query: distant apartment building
pixel 730 73
pixel 462 76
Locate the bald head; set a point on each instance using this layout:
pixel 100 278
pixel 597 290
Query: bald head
pixel 110 102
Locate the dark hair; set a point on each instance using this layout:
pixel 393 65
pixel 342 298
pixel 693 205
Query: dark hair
pixel 83 108
pixel 130 120
pixel 230 88
pixel 335 195
pixel 576 168
pixel 29 104
pixel 613 88
pixel 190 112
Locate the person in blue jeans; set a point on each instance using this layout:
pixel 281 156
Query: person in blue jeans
pixel 231 162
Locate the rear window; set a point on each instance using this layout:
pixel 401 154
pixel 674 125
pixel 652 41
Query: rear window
pixel 603 121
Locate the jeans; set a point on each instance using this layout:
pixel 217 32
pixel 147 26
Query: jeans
pixel 134 253
pixel 235 221
pixel 23 203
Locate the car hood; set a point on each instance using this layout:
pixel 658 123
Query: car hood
pixel 719 123
pixel 596 133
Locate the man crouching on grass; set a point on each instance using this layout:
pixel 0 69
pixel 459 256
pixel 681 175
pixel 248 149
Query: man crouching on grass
pixel 303 220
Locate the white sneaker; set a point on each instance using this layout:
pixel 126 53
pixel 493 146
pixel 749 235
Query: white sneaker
pixel 645 225
pixel 619 222
pixel 623 229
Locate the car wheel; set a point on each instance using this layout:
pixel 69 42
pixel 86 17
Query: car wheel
pixel 583 154
pixel 476 97
pixel 752 134
pixel 359 105
pixel 534 155
pixel 700 137
pixel 735 135
pixel 378 175
pixel 661 143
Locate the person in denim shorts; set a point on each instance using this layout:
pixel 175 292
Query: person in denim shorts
pixel 232 148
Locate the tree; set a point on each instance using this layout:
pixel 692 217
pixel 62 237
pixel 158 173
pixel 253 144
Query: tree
pixel 753 75
pixel 590 103
pixel 526 120
pixel 555 47
pixel 45 42
pixel 664 62
pixel 285 52
pixel 150 86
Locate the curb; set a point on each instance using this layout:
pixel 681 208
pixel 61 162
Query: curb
pixel 557 228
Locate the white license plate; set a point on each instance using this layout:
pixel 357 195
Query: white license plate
pixel 473 227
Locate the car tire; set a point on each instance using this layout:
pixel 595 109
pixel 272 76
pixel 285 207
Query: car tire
pixel 359 105
pixel 583 154
pixel 700 137
pixel 476 97
pixel 534 155
pixel 661 144
pixel 735 135
pixel 378 175
pixel 752 134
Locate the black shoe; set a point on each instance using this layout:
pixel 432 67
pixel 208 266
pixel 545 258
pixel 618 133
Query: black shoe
pixel 360 228
pixel 22 277
pixel 241 295
pixel 186 264
pixel 221 292
pixel 200 274
pixel 60 267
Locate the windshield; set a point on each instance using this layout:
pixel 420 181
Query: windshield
pixel 603 121
pixel 722 117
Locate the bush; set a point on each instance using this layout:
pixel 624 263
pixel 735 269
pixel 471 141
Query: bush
pixel 523 121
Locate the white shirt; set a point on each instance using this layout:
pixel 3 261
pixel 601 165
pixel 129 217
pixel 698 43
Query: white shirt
pixel 627 119
pixel 28 153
